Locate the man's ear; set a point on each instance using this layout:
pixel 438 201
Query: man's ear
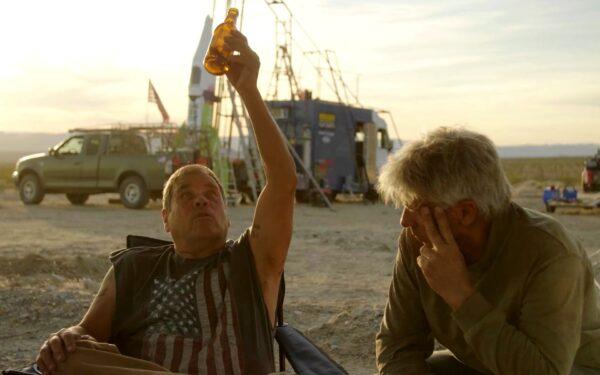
pixel 467 212
pixel 165 217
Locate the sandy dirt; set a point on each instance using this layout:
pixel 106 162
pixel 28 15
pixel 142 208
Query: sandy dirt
pixel 53 256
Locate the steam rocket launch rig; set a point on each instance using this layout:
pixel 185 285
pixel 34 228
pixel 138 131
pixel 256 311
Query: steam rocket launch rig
pixel 338 144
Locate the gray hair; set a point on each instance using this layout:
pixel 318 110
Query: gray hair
pixel 180 174
pixel 444 167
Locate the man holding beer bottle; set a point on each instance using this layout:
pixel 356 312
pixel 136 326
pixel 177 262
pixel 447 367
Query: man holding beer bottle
pixel 203 305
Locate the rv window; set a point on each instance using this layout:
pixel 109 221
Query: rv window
pixel 279 113
pixel 384 140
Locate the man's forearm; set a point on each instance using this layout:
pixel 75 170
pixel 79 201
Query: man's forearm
pixel 504 349
pixel 393 356
pixel 279 165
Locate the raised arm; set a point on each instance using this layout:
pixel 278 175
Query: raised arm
pixel 271 230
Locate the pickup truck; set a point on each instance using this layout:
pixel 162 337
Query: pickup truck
pixel 93 163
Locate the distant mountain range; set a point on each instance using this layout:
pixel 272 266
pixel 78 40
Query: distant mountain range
pixel 14 145
pixel 543 151
pixel 29 141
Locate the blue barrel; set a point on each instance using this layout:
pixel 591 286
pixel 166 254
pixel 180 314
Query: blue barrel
pixel 569 194
pixel 550 193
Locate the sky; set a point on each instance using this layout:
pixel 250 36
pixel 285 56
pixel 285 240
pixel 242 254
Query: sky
pixel 519 72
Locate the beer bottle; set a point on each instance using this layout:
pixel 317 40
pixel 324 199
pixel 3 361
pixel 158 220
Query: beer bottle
pixel 216 60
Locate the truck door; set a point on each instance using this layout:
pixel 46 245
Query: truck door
pixel 88 173
pixel 123 150
pixel 61 170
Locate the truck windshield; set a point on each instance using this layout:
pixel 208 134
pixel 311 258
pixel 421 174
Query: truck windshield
pixel 72 146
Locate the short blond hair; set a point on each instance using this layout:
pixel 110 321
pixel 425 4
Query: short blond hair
pixel 175 179
pixel 445 166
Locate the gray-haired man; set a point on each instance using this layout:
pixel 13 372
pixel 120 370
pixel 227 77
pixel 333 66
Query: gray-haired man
pixel 505 289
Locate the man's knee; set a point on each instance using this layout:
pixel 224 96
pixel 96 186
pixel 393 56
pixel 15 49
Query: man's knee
pixel 86 351
pixel 582 370
pixel 443 362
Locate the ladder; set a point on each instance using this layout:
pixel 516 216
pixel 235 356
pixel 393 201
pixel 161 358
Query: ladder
pixel 204 146
pixel 233 195
pixel 252 163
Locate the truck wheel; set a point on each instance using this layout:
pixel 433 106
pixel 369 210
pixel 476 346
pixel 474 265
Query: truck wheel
pixel 134 193
pixel 77 199
pixel 31 190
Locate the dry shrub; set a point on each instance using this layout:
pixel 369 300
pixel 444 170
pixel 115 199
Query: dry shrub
pixel 6 169
pixel 563 171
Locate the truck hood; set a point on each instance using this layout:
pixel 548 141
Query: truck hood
pixel 32 157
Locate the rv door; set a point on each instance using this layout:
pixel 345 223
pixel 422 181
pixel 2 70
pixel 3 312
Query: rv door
pixel 370 151
pixel 384 148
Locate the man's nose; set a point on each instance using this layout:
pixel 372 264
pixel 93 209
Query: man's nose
pixel 200 201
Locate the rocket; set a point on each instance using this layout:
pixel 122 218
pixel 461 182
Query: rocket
pixel 201 89
pixel 201 92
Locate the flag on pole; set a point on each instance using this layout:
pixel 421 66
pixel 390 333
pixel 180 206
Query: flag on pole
pixel 152 95
pixel 154 98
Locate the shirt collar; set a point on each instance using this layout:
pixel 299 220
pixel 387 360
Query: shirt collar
pixel 496 240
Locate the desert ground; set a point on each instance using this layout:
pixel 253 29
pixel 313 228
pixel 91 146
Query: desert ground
pixel 53 256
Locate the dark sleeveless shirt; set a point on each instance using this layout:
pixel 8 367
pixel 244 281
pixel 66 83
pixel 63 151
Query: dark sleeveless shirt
pixel 195 316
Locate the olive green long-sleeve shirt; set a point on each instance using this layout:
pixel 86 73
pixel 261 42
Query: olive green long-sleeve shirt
pixel 536 309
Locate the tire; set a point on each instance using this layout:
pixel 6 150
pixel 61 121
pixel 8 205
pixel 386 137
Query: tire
pixel 302 196
pixel 31 190
pixel 134 193
pixel 77 199
pixel 371 196
pixel 332 195
pixel 315 199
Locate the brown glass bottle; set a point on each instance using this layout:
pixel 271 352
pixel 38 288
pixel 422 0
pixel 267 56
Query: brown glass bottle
pixel 216 60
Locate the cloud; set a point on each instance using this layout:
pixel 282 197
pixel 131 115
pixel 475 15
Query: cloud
pixel 70 91
pixel 505 66
pixel 591 100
